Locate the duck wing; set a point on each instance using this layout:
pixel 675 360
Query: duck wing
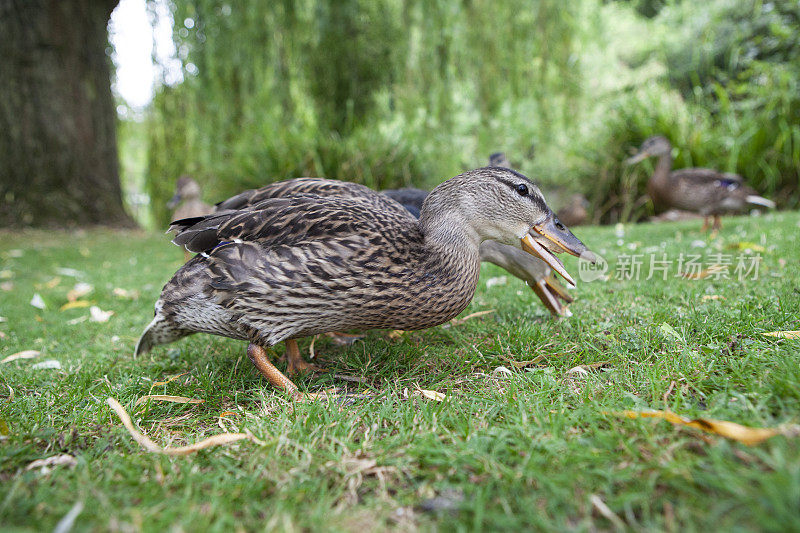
pixel 310 186
pixel 294 220
pixel 283 267
pixel 703 177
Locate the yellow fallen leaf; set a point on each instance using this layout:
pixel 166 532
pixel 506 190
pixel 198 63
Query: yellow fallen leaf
pixel 396 334
pixel 783 334
pixel 744 245
pixel 166 398
pixel 703 274
pixel 169 379
pixel 744 434
pixel 150 446
pixel 707 297
pixel 459 321
pixel 74 304
pixel 53 283
pixel 25 354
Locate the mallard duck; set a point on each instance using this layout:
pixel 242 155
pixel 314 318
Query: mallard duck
pixel 187 203
pixel 700 190
pixel 292 267
pixel 531 270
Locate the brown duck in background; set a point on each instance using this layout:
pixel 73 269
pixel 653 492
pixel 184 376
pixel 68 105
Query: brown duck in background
pixel 705 191
pixel 296 266
pixel 187 203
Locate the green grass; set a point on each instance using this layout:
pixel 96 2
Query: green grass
pixel 509 452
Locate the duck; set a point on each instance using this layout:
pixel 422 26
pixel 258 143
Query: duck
pixel 187 202
pixel 534 272
pixel 295 266
pixel 705 191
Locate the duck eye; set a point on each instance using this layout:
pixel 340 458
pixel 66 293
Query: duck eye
pixel 521 189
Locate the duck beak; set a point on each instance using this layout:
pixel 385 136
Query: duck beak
pixel 551 293
pixel 559 239
pixel 175 200
pixel 641 156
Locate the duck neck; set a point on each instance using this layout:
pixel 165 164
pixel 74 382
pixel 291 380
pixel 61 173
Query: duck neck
pixel 452 260
pixel 449 233
pixel 663 168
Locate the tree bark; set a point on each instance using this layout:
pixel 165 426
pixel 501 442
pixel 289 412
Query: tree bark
pixel 58 148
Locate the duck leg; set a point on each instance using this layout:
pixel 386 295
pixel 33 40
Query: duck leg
pixel 717 223
pixel 258 356
pixel 296 362
pixel 705 223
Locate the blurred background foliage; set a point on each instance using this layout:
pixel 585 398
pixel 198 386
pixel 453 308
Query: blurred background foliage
pixel 394 93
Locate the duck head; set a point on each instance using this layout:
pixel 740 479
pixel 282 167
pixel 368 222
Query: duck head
pixel 185 188
pixel 502 205
pixel 655 146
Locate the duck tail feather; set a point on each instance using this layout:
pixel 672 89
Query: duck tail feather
pixel 760 200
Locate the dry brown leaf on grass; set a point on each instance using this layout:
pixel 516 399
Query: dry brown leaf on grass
pixel 169 379
pixel 707 297
pixel 167 398
pixel 146 443
pixel 125 294
pixel 24 354
pixel 459 321
pixel 56 460
pixel 783 334
pixel 432 395
pixel 529 362
pixel 703 274
pixel 584 369
pixel 744 434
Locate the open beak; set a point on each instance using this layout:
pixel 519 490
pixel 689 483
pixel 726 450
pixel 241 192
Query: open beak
pixel 551 293
pixel 641 156
pixel 560 240
pixel 174 201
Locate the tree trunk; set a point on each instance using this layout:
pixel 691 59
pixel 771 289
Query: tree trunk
pixel 58 148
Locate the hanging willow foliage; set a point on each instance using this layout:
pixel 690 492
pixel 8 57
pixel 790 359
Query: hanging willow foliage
pixel 384 92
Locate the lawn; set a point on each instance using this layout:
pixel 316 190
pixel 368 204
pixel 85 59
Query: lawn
pixel 524 439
